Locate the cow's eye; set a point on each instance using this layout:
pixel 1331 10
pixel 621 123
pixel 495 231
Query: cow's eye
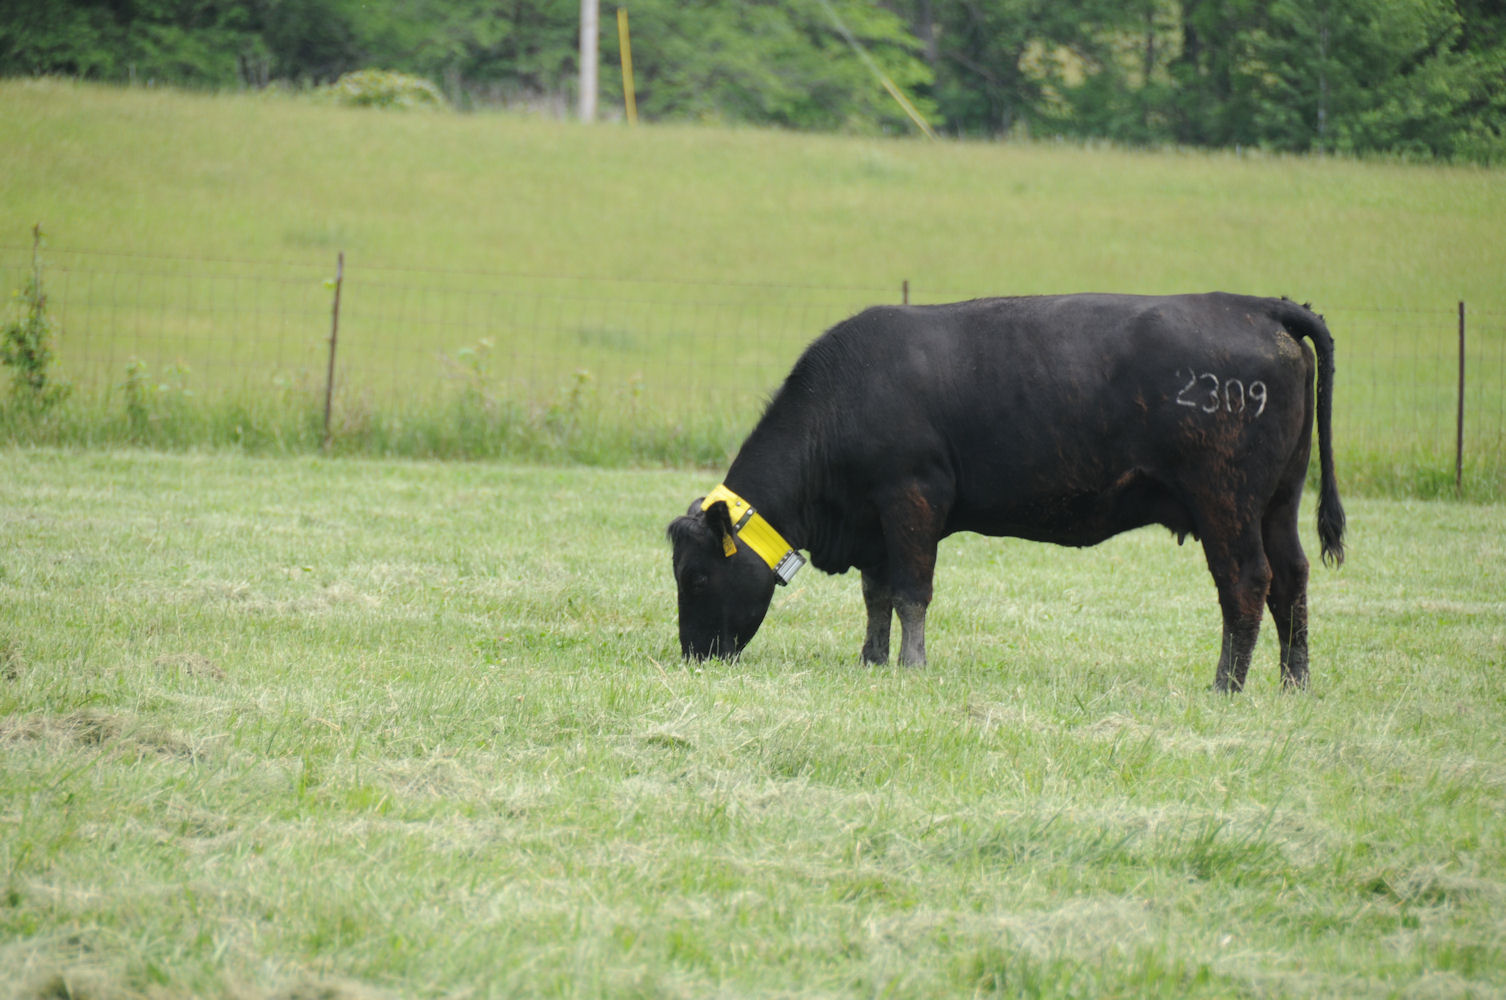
pixel 696 582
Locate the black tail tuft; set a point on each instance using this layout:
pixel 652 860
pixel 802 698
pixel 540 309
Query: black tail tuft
pixel 1331 521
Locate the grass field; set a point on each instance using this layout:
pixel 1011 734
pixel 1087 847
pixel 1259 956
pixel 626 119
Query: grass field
pixel 520 287
pixel 274 179
pixel 300 728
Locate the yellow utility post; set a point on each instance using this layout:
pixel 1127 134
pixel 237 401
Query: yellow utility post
pixel 628 97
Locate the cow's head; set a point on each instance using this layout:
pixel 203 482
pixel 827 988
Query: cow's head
pixel 724 586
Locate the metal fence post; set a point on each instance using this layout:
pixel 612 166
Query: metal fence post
pixel 1459 422
pixel 334 334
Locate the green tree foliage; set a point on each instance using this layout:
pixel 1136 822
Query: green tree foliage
pixel 481 49
pixel 764 61
pixel 183 42
pixel 1414 77
pixel 1424 77
pixel 1356 75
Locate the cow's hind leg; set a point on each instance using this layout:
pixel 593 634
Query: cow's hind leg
pixel 912 631
pixel 880 604
pixel 912 526
pixel 1288 595
pixel 1243 577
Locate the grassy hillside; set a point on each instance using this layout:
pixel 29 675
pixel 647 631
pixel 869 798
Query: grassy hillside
pixel 672 273
pixel 276 729
pixel 266 177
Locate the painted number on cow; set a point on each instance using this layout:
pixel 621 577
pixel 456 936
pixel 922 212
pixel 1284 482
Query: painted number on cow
pixel 1208 392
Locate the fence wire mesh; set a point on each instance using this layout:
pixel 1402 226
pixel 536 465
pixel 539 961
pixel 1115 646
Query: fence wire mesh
pixel 678 350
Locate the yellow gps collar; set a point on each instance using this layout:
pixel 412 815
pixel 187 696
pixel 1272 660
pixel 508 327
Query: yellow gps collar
pixel 749 525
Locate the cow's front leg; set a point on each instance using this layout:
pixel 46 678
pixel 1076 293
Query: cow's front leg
pixel 880 604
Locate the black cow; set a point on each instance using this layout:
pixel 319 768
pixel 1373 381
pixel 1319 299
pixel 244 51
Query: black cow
pixel 1062 419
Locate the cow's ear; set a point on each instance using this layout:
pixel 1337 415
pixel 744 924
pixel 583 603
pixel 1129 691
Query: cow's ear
pixel 719 519
pixel 684 531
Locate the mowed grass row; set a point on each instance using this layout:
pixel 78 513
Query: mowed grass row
pixel 534 288
pixel 360 728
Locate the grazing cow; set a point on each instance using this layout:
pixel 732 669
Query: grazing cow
pixel 1063 419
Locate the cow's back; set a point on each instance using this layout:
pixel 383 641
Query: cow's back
pixel 1070 418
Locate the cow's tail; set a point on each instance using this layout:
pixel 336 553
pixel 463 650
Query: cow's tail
pixel 1306 323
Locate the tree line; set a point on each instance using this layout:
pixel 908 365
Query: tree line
pixel 1422 78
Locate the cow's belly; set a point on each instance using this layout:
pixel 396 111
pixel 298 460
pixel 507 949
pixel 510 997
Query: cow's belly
pixel 1075 516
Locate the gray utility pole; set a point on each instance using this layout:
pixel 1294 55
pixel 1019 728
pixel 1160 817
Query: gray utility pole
pixel 589 34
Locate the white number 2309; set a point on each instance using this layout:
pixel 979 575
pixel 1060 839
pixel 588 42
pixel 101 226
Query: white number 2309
pixel 1207 392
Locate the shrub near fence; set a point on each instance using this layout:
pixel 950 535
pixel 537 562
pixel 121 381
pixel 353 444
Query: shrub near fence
pixel 177 352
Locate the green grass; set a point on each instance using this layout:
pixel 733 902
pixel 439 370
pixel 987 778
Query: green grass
pixel 540 289
pixel 290 728
pixel 248 178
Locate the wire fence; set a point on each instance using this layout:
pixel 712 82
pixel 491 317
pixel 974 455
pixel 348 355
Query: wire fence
pixel 677 350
